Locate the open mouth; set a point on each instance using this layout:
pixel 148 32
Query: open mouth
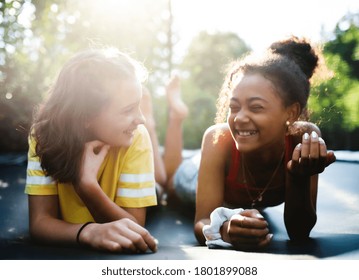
pixel 246 133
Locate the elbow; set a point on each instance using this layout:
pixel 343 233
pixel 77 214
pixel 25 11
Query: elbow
pixel 162 182
pixel 200 239
pixel 298 236
pixel 299 231
pixel 38 228
pixel 34 233
pixel 199 234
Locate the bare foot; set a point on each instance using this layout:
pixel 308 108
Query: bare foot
pixel 146 108
pixel 178 109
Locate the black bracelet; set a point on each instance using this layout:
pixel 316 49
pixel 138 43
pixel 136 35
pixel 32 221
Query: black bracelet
pixel 80 230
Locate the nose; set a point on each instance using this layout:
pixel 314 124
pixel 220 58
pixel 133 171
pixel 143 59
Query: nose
pixel 241 116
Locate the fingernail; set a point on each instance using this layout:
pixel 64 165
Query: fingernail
pixel 314 135
pixel 306 136
pixel 321 141
pixel 259 216
pixel 270 236
pixel 298 147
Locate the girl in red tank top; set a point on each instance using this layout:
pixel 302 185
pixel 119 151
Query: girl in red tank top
pixel 235 189
pixel 263 155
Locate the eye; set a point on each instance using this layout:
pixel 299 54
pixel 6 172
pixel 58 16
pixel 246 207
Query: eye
pixel 234 108
pixel 127 110
pixel 256 107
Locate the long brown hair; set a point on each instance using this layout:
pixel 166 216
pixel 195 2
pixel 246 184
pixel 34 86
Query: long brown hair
pixel 78 95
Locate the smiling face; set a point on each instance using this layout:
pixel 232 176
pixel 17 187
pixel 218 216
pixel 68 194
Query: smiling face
pixel 257 116
pixel 117 121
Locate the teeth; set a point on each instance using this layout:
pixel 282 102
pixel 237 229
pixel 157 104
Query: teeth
pixel 246 133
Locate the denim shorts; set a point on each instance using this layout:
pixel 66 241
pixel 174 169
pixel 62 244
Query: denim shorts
pixel 185 179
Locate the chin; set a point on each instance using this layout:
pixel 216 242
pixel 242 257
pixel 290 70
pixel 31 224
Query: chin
pixel 244 147
pixel 125 143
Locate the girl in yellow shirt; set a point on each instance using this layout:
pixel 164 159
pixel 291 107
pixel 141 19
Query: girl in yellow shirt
pixel 90 170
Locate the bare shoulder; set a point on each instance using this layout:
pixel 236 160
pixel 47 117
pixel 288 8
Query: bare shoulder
pixel 217 142
pixel 217 135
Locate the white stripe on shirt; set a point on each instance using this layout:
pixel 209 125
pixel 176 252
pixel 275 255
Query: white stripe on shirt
pixel 34 165
pixel 39 180
pixel 137 178
pixel 138 193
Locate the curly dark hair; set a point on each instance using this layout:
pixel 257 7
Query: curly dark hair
pixel 78 95
pixel 288 64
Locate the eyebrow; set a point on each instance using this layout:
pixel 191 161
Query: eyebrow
pixel 130 106
pixel 251 99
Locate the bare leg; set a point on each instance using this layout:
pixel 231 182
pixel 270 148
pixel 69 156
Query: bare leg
pixel 146 108
pixel 178 111
pixel 166 166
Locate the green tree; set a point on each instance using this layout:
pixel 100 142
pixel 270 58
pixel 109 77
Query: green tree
pixel 208 55
pixel 38 36
pixel 16 81
pixel 204 65
pixel 346 43
pixel 335 102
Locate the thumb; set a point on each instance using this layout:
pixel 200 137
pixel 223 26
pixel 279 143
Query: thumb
pixel 102 152
pixel 330 158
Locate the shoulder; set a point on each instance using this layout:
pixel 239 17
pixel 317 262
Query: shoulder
pixel 217 141
pixel 141 137
pixel 141 144
pixel 32 146
pixel 298 128
pixel 301 127
pixel 142 131
pixel 217 135
pixel 139 155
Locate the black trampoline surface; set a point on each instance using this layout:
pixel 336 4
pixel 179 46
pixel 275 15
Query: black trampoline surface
pixel 335 236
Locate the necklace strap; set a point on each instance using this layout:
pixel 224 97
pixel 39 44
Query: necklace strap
pixel 261 193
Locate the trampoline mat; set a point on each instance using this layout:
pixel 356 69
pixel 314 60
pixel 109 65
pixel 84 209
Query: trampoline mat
pixel 335 236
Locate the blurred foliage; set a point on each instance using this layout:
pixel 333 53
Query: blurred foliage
pixel 38 36
pixel 202 73
pixel 335 101
pixel 207 57
pixel 346 43
pixel 204 65
pixel 202 77
pixel 17 83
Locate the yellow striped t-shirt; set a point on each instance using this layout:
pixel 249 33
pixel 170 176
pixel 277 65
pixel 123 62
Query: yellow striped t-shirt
pixel 126 176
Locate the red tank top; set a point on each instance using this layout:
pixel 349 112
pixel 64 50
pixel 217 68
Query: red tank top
pixel 234 190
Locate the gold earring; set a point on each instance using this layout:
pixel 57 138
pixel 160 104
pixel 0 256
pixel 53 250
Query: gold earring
pixel 287 123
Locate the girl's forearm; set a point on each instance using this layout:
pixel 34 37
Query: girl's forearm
pixel 300 207
pixel 54 231
pixel 45 226
pixel 101 207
